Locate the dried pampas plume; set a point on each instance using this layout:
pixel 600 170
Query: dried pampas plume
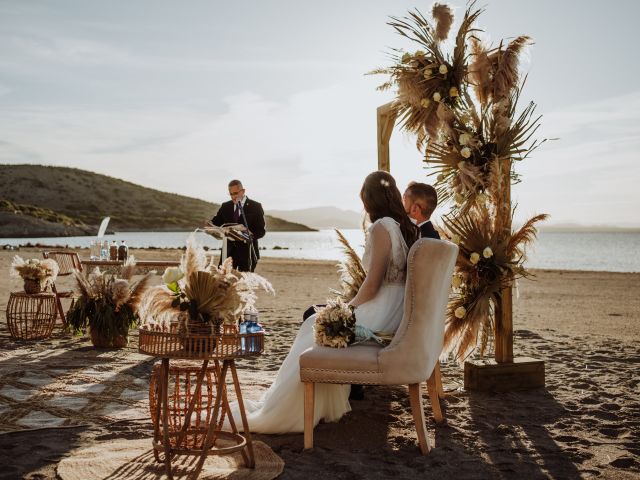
pixel 505 77
pixel 444 18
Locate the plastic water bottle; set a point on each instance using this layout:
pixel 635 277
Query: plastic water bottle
pixel 104 250
pixel 243 330
pixel 254 327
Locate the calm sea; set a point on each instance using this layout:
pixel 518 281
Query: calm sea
pixel 613 252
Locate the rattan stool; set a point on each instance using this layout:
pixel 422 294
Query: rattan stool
pixel 31 317
pixel 183 386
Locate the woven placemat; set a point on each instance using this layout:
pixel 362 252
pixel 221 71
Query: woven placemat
pixel 133 460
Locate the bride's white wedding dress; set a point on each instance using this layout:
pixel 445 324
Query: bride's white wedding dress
pixel 281 408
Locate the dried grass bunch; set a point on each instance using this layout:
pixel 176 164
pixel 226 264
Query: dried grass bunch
pixel 107 303
pixel 352 273
pixel 208 295
pixel 43 271
pixel 463 107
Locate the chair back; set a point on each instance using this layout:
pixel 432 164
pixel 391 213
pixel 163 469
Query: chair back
pixel 67 261
pixel 416 345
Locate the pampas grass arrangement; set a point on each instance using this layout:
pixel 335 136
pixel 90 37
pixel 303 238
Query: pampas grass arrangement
pixel 351 271
pixel 107 304
pixel 463 108
pixel 208 295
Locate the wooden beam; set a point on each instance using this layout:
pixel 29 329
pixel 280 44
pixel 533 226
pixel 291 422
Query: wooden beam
pixel 386 120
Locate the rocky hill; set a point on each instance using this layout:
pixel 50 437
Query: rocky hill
pixel 38 200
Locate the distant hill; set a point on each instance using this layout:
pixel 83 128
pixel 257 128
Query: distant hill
pixel 322 217
pixel 37 200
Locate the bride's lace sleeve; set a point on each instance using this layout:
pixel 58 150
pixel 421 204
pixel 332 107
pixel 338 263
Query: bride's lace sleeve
pixel 380 254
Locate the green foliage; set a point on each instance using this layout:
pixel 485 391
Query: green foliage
pixel 101 315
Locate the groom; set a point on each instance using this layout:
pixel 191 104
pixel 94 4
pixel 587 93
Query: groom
pixel 240 209
pixel 420 200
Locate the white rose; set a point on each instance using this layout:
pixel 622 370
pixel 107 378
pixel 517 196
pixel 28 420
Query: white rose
pixel 456 281
pixel 482 198
pixel 419 53
pixel 406 57
pixel 414 64
pixel 33 261
pixel 487 252
pixel 464 139
pixel 474 257
pixel 172 275
pixel 460 312
pixel 436 97
pixel 461 164
pixel 455 239
pixel 453 92
pixel 443 69
pixel 465 152
pixel 427 73
pixel 425 102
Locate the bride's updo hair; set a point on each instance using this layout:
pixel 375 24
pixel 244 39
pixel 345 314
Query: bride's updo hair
pixel 381 198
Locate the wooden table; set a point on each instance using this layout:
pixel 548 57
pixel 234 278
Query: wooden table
pixel 142 266
pixel 223 350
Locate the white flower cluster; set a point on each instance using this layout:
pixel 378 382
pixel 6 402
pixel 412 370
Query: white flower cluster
pixel 335 325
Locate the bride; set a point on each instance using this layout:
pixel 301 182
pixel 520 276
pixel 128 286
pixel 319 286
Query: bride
pixel 379 306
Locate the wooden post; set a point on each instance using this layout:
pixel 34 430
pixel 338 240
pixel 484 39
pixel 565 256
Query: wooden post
pixel 504 308
pixel 386 121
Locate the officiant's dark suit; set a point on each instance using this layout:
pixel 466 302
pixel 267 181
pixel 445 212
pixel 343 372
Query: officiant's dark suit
pixel 427 230
pixel 245 255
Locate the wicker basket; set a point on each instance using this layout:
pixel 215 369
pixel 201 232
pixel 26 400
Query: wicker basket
pixel 32 287
pixel 31 317
pixel 172 344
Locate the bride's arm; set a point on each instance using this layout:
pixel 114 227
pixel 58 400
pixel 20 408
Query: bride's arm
pixel 380 254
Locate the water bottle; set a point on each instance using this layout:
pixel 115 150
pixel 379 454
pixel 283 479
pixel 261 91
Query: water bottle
pixel 93 250
pixel 254 327
pixel 243 330
pixel 104 250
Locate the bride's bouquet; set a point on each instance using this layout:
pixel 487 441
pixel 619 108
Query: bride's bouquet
pixel 336 327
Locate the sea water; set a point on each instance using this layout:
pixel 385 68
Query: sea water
pixel 614 252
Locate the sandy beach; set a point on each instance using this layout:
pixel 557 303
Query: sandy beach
pixel 60 394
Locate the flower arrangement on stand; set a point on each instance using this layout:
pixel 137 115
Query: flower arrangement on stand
pixel 463 108
pixel 37 274
pixel 107 304
pixel 201 296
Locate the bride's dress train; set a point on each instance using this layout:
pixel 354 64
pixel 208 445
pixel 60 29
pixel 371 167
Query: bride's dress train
pixel 281 408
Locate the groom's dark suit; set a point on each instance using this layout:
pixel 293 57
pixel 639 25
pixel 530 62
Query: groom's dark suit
pixel 245 256
pixel 427 231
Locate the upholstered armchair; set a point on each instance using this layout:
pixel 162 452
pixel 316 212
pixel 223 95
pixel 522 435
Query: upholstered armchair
pixel 412 356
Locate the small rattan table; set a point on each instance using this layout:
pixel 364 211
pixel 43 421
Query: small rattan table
pixel 222 350
pixel 31 316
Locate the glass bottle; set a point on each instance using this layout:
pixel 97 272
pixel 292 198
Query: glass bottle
pixel 123 251
pixel 113 251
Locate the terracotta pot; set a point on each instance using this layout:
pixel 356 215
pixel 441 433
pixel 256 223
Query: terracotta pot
pixel 99 341
pixel 32 286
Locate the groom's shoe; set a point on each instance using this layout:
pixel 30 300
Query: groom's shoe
pixel 357 392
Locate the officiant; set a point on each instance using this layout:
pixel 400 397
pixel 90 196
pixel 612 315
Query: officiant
pixel 249 213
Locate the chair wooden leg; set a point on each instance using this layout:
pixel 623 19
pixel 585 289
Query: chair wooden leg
pixel 439 381
pixel 309 398
pixel 432 390
pixel 63 319
pixel 415 398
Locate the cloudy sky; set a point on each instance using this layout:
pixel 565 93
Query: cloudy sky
pixel 184 96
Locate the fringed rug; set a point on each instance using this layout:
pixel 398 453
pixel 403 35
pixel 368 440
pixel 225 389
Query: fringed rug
pixel 134 460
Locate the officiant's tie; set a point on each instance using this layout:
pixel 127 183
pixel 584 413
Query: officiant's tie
pixel 236 213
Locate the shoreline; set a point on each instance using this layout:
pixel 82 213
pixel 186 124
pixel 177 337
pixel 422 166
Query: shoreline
pixel 176 252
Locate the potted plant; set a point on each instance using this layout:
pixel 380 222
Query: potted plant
pixel 37 274
pixel 107 305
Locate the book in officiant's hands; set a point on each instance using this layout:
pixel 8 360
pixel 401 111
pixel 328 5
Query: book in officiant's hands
pixel 232 231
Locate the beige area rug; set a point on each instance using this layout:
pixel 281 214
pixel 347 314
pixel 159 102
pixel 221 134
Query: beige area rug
pixel 134 460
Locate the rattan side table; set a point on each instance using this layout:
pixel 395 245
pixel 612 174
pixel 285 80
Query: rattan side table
pixel 222 350
pixel 31 316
